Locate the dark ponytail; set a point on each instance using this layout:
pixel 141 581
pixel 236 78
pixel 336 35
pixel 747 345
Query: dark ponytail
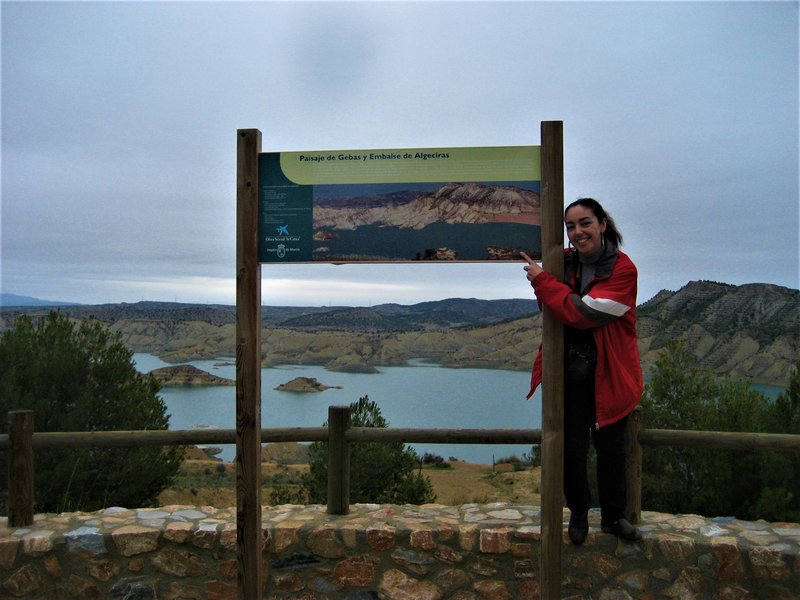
pixel 611 234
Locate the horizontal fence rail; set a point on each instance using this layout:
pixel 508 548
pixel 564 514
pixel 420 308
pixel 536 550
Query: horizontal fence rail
pixel 724 440
pixel 22 440
pixel 190 437
pixel 175 437
pixel 444 436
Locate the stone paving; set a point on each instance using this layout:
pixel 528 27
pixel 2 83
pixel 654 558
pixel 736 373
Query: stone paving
pixel 470 552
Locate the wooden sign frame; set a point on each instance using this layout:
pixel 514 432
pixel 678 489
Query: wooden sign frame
pixel 552 483
pixel 249 535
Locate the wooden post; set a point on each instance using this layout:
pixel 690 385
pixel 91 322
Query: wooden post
pixel 249 539
pixel 633 466
pixel 552 197
pixel 338 460
pixel 20 468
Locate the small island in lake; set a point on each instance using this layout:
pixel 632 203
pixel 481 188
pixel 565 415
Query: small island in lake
pixel 304 384
pixel 188 375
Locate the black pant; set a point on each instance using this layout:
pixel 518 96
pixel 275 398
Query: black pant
pixel 609 444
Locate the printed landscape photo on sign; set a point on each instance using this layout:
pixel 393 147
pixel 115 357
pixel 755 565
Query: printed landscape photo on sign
pixel 442 204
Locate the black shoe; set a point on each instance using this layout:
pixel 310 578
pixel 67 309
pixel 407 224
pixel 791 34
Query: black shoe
pixel 578 527
pixel 623 530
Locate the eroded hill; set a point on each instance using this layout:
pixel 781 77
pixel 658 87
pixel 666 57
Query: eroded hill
pixel 749 332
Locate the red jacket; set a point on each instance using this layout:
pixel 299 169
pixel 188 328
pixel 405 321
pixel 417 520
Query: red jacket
pixel 608 308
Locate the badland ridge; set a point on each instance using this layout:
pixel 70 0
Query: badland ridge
pixel 452 203
pixel 748 332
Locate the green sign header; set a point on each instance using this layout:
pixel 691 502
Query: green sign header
pixel 510 163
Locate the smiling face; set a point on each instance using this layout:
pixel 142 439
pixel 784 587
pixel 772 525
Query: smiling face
pixel 584 230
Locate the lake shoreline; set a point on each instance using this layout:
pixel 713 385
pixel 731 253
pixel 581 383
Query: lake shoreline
pixel 430 396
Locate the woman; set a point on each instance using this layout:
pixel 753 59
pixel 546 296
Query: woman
pixel 602 374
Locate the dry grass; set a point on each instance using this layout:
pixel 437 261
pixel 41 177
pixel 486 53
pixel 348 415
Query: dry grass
pixel 465 483
pixel 207 482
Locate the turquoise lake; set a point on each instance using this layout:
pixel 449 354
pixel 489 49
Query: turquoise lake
pixel 421 395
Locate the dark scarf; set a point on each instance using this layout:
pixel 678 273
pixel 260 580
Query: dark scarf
pixel 582 270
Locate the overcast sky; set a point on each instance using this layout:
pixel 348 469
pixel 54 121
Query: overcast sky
pixel 119 128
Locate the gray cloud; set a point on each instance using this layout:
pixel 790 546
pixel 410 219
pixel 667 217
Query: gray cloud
pixel 119 121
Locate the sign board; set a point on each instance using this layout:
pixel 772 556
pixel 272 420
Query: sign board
pixel 412 204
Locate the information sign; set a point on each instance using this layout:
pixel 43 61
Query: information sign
pixel 440 204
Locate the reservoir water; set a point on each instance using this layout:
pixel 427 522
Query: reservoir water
pixel 420 395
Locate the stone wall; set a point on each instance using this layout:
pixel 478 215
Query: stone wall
pixel 431 552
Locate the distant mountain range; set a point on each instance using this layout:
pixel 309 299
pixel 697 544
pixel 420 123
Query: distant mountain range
pixel 454 312
pixel 9 300
pixel 749 332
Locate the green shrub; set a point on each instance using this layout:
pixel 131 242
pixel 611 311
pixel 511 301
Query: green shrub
pixel 80 377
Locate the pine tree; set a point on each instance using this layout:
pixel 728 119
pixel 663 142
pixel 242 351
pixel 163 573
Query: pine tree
pixel 379 473
pixel 715 482
pixel 81 377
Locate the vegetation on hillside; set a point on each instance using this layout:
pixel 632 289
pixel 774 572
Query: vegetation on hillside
pixel 747 485
pixel 699 341
pixel 81 377
pixel 379 473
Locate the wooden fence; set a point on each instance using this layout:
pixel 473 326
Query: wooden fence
pixel 21 441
